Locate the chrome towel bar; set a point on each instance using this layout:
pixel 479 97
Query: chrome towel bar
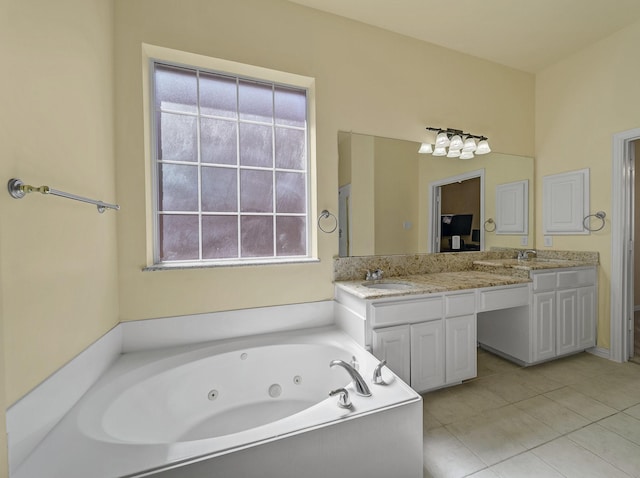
pixel 18 190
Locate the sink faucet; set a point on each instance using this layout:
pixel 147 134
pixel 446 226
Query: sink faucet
pixel 375 275
pixel 358 382
pixel 524 255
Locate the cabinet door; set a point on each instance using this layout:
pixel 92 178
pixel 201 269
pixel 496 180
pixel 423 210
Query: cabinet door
pixel 427 355
pixel 460 348
pixel 587 313
pixel 393 345
pixel 543 322
pixel 567 322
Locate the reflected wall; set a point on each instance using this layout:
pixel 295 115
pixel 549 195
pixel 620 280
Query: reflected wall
pixel 390 207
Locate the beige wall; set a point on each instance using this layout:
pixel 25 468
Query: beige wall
pixel 395 196
pixel 367 80
pixel 581 102
pixel 58 257
pixel 498 169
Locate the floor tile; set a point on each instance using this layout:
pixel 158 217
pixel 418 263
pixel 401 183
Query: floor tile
pixel 460 402
pixel 445 456
pixel 610 447
pixel 574 461
pixel 624 425
pixel 580 403
pixel 486 473
pixel 553 414
pixel 633 411
pixel 615 391
pixel 526 465
pixel 577 416
pixel 499 434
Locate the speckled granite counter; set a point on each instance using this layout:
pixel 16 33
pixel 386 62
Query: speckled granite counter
pixel 500 265
pixel 432 273
pixel 430 283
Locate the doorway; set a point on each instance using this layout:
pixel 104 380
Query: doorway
pixel 622 246
pixel 457 201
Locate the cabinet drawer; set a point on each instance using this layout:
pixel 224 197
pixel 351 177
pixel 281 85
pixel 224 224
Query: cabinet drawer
pixel 459 304
pixel 576 278
pixel 543 281
pixel 503 298
pixel 405 311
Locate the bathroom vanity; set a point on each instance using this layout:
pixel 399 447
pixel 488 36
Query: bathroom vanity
pixel 427 326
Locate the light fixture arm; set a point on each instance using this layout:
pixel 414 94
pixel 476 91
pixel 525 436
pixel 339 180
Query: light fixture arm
pixel 450 132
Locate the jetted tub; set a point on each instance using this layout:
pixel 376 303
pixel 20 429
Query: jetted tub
pixel 256 406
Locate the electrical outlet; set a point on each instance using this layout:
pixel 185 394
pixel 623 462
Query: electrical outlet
pixel 548 241
pixel 524 241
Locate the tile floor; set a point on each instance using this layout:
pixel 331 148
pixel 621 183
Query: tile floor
pixel 574 417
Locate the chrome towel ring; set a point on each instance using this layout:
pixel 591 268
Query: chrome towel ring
pixel 488 223
pixel 325 214
pixel 587 224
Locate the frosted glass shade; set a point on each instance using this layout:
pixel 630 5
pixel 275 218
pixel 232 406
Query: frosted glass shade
pixel 469 145
pixel 456 143
pixel 439 151
pixel 425 148
pixel 442 140
pixel 483 147
pixel 453 153
pixel 466 155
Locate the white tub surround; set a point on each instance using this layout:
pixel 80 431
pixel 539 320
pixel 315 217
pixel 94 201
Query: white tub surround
pixel 254 406
pixel 33 416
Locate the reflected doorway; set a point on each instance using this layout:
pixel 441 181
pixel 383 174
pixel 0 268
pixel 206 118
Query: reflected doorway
pixel 458 213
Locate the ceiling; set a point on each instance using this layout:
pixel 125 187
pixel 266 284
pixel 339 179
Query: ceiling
pixel 527 35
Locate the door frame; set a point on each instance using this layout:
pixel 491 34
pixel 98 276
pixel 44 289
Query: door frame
pixel 621 293
pixel 433 232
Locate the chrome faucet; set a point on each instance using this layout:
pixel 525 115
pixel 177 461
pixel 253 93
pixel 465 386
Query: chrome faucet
pixel 524 255
pixel 375 275
pixel 358 382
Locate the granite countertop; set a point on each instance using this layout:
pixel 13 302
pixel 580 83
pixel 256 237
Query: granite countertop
pixel 430 283
pixel 528 264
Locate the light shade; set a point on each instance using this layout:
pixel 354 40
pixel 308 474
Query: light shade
pixel 425 148
pixel 442 140
pixel 456 143
pixel 483 147
pixel 466 155
pixel 469 145
pixel 453 153
pixel 440 151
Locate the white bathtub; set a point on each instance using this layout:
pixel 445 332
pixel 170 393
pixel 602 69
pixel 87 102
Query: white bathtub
pixel 256 406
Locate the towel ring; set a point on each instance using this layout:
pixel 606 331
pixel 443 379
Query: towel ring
pixel 489 222
pixel 324 215
pixel 600 215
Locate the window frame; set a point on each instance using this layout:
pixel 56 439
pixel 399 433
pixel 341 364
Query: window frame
pixel 240 72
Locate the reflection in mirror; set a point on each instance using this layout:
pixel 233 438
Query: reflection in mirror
pixel 386 204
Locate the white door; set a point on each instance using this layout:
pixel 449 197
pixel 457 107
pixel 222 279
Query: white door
pixel 427 355
pixel 460 348
pixel 393 345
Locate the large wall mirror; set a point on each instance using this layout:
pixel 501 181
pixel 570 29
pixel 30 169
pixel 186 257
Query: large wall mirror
pixel 389 198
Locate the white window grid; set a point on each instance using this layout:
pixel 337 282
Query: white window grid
pixel 199 165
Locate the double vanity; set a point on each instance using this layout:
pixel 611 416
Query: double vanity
pixel 429 313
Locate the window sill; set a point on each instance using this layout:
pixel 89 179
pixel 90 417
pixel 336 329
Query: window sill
pixel 169 266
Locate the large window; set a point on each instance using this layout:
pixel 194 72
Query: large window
pixel 231 165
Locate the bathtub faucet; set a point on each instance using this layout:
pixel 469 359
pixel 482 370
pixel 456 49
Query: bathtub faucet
pixel 358 382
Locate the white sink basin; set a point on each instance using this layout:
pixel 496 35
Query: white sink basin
pixel 389 285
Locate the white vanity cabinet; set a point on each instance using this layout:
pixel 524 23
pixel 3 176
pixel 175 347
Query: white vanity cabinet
pixel 435 342
pixel 564 312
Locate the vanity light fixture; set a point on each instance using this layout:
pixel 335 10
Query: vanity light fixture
pixel 460 144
